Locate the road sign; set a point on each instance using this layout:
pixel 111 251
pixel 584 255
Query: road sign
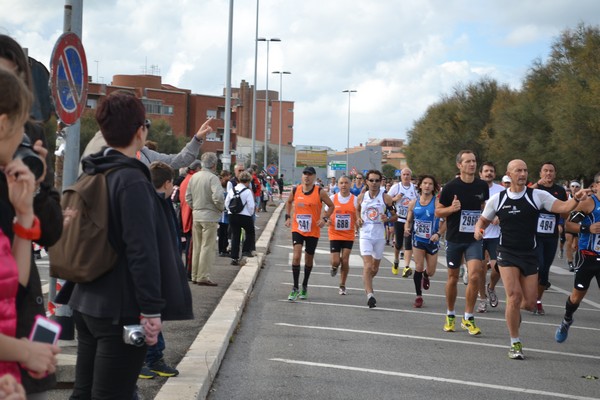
pixel 397 172
pixel 69 77
pixel 365 172
pixel 338 165
pixel 272 169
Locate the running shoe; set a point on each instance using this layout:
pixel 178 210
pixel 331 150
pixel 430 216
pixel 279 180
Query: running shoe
pixel 461 271
pixel 562 331
pixel 333 271
pixel 465 276
pixel 418 302
pixel 406 272
pixel 371 302
pixel 449 326
pixel 426 282
pixel 294 295
pixel 492 296
pixel 303 294
pixel 539 309
pixel 469 325
pixel 571 267
pixel 395 268
pixel 343 291
pixel 145 373
pixel 162 369
pixel 482 306
pixel 516 351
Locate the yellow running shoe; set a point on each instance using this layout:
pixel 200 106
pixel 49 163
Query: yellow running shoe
pixel 395 268
pixel 449 325
pixel 406 272
pixel 469 325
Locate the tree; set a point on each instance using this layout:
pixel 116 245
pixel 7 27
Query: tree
pixel 162 134
pixel 388 171
pixel 272 157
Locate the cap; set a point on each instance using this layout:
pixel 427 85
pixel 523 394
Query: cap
pixel 309 170
pixel 506 179
pixel 575 183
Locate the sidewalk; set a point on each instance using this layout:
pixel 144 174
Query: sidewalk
pixel 196 347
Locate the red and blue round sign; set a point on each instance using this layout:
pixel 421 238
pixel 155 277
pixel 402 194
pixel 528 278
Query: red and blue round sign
pixel 69 77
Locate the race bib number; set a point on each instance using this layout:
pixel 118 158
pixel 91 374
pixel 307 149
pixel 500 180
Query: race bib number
pixel 596 239
pixel 342 222
pixel 546 223
pixel 468 219
pixel 423 229
pixel 403 207
pixel 304 222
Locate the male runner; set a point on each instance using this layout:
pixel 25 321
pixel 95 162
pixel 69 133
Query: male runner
pixel 402 193
pixel 306 223
pixel 371 218
pixel 518 209
pixel 341 230
pixel 547 230
pixel 585 221
pixel 461 203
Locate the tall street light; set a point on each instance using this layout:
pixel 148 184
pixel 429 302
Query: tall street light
pixel 349 91
pixel 281 73
pixel 253 152
pixel 267 99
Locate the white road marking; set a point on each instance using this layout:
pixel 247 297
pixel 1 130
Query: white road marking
pixel 435 379
pixel 437 314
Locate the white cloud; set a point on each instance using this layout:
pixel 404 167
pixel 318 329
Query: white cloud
pixel 401 55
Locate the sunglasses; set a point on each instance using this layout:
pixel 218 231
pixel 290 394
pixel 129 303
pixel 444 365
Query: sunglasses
pixel 374 180
pixel 147 124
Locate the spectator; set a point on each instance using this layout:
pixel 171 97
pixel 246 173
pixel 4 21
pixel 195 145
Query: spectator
pixel 162 180
pixel 187 222
pixel 143 287
pixel 15 260
pixel 280 184
pixel 46 206
pixel 256 186
pixel 242 220
pixel 223 232
pixel 205 196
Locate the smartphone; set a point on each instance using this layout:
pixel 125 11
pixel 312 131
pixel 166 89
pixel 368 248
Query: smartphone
pixel 45 330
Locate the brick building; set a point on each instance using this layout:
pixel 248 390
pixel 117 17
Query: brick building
pixel 186 111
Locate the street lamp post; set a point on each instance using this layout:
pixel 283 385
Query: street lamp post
pixel 349 91
pixel 281 73
pixel 252 153
pixel 267 99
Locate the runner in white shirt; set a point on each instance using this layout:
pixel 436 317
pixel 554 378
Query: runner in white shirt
pixel 402 193
pixel 491 237
pixel 371 218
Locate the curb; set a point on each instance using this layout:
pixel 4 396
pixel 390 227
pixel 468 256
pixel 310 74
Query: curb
pixel 200 365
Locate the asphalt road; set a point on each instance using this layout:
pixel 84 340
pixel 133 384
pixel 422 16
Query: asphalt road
pixel 335 347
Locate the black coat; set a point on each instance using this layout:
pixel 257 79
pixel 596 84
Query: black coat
pixel 146 279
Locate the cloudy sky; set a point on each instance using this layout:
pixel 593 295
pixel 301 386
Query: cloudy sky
pixel 400 55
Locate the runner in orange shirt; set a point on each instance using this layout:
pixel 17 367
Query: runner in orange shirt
pixel 342 227
pixel 306 222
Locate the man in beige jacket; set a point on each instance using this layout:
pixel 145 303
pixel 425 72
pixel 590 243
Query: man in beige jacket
pixel 205 196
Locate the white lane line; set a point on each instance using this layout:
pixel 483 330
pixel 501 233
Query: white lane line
pixel 586 301
pixel 437 314
pixel 434 379
pixel 431 339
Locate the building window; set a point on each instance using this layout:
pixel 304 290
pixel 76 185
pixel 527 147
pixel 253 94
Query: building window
pixel 92 103
pixel 168 110
pixel 152 106
pixel 211 113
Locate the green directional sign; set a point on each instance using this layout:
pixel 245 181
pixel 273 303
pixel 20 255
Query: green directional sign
pixel 338 165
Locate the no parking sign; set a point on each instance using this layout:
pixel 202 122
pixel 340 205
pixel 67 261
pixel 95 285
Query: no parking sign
pixel 69 77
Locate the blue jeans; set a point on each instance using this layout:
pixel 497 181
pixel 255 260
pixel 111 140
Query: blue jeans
pixel 155 352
